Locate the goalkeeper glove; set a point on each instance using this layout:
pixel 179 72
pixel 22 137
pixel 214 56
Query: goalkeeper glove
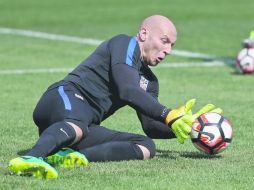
pixel 181 119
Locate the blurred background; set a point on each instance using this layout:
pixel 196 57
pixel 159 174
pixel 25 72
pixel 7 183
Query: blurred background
pixel 212 27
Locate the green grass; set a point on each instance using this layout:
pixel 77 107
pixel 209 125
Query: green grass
pixel 213 27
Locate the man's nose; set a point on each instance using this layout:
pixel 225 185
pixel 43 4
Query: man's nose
pixel 167 50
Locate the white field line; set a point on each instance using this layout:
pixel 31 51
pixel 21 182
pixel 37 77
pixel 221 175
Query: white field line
pixel 66 70
pixel 192 64
pixel 34 71
pixel 88 41
pixel 48 36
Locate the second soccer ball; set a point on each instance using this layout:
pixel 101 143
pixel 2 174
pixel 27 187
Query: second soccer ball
pixel 245 61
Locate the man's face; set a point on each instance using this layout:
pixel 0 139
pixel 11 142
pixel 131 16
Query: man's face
pixel 158 45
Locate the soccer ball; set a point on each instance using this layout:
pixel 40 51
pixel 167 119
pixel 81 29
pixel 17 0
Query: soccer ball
pixel 245 61
pixel 211 133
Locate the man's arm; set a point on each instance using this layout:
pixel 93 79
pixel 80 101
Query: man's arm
pixel 180 120
pixel 152 128
pixel 126 80
pixel 155 129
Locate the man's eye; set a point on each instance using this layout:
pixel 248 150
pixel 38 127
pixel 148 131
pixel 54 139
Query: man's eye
pixel 164 41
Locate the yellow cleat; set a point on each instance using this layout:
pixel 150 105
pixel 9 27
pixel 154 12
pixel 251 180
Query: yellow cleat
pixel 32 166
pixel 67 158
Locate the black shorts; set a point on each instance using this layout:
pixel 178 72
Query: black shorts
pixel 63 102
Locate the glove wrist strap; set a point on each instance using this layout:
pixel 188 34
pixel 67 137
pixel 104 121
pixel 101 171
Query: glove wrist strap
pixel 173 115
pixel 164 113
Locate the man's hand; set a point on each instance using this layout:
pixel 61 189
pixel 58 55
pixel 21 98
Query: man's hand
pixel 175 114
pixel 181 119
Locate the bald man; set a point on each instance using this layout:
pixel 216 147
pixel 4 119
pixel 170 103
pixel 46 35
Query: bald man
pixel 116 74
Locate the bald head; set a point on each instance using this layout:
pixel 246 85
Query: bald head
pixel 156 22
pixel 157 34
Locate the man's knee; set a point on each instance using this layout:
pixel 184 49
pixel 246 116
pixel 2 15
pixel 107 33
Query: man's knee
pixel 147 148
pixel 81 129
pixel 145 152
pixel 78 131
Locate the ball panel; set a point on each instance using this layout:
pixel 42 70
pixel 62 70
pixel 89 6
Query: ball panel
pixel 210 117
pixel 242 53
pixel 203 119
pixel 202 148
pixel 251 52
pixel 221 148
pixel 227 129
pixel 211 135
pixel 247 64
pixel 195 130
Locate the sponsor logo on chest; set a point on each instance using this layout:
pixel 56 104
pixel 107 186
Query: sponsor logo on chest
pixel 143 83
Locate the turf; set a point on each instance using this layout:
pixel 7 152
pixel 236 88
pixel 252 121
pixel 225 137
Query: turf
pixel 212 27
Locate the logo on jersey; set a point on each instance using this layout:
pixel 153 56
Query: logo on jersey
pixel 78 96
pixel 143 83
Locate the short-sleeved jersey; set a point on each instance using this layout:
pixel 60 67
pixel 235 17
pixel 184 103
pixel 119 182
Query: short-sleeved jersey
pixel 93 76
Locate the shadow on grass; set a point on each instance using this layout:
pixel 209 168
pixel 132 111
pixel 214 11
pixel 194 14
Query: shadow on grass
pixel 198 155
pixel 237 73
pixel 23 152
pixel 167 154
pixel 186 154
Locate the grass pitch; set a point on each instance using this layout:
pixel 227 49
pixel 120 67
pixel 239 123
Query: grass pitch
pixel 212 27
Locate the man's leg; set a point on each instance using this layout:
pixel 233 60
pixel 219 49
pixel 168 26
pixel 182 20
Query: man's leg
pixel 103 144
pixel 58 135
pixel 64 113
pixel 62 118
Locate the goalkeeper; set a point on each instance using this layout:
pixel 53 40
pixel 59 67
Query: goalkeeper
pixel 116 74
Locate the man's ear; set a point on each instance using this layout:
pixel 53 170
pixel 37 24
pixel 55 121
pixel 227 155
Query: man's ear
pixel 142 34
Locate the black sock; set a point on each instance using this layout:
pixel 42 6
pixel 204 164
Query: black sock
pixel 113 151
pixel 52 139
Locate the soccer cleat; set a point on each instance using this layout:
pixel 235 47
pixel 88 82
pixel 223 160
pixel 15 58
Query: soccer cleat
pixel 67 158
pixel 32 166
